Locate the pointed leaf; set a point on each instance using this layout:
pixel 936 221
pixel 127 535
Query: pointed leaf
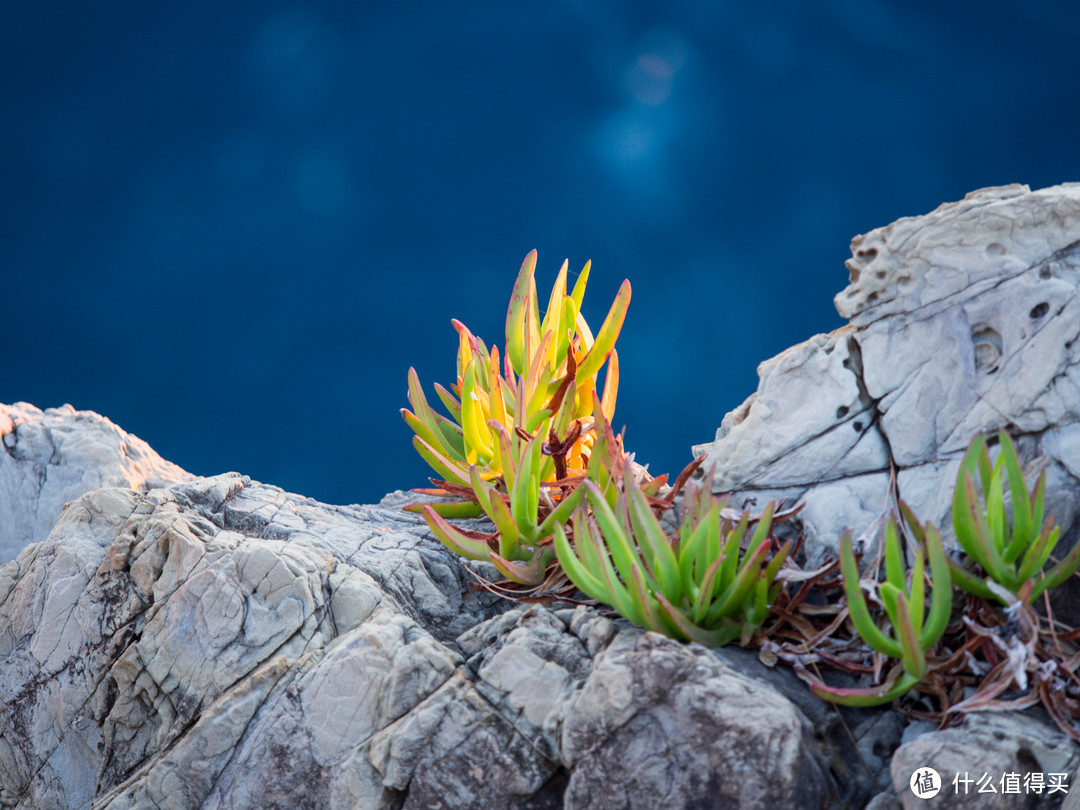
pixel 425 433
pixel 478 439
pixel 453 407
pixel 423 412
pixel 453 436
pixel 1021 506
pixel 565 333
pixel 988 550
pixel 1038 495
pixel 448 469
pixel 648 616
pixel 940 580
pixel 856 603
pixel 967 581
pixel 495 389
pixel 515 315
pixel 916 595
pixel 452 509
pixel 584 580
pixel 622 550
pixel 662 560
pixel 553 314
pixel 995 511
pixel 609 332
pixel 1060 572
pixel 912 655
pixel 731 600
pixel 894 560
pixel 520 495
pixel 703 603
pixel 578 295
pixel 611 386
pixel 453 538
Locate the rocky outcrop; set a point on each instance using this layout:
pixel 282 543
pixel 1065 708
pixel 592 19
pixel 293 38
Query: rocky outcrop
pixel 48 458
pixel 962 320
pixel 220 643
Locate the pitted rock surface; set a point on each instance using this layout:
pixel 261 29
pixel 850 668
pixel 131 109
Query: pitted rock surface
pixel 963 320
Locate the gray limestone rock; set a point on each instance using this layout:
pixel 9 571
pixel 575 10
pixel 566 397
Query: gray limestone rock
pixel 962 320
pixel 993 761
pixel 50 457
pixel 219 643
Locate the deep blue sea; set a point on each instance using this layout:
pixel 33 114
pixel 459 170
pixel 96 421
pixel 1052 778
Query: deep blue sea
pixel 232 227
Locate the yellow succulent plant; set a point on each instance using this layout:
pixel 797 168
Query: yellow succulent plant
pixel 533 410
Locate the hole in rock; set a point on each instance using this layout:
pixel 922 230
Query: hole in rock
pixel 1044 272
pixel 1038 311
pixel 871 298
pixel 995 249
pixel 841 412
pixel 986 343
pixel 881 274
pixel 857 426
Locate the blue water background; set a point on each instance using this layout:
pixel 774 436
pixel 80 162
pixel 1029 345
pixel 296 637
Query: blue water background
pixel 232 227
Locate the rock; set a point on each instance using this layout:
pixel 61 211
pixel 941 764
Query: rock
pixel 219 643
pixel 962 320
pixel 52 457
pixel 997 752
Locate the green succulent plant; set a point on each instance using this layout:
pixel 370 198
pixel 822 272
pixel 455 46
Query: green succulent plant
pixel 543 387
pixel 525 513
pixel 518 553
pixel 914 629
pixel 521 434
pixel 1012 552
pixel 704 587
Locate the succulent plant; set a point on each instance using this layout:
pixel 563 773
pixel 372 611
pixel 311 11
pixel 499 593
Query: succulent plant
pixel 526 510
pixel 518 553
pixel 543 387
pixel 522 432
pixel 914 629
pixel 1012 553
pixel 704 587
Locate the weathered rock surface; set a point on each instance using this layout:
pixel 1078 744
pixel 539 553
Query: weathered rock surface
pixel 1001 755
pixel 219 643
pixel 962 320
pixel 51 457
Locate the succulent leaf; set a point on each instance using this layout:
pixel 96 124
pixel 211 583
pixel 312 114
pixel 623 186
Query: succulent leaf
pixel 448 469
pixel 941 582
pixel 515 315
pixel 609 332
pixel 874 696
pixel 466 545
pixel 856 603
